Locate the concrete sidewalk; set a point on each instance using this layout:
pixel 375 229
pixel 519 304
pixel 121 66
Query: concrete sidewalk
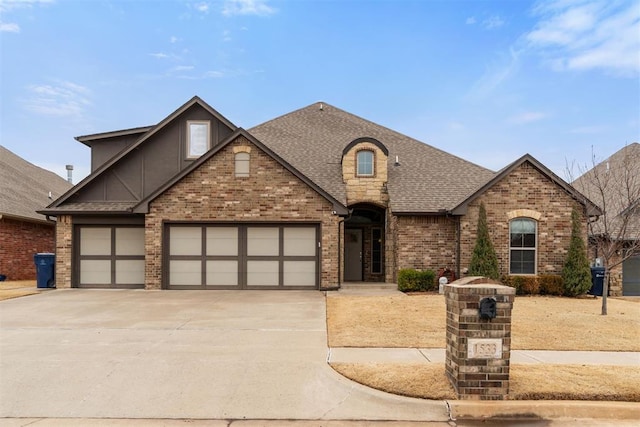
pixel 437 355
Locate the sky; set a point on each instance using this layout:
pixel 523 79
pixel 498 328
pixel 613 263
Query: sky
pixel 485 80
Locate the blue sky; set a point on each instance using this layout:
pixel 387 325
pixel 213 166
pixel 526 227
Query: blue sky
pixel 485 80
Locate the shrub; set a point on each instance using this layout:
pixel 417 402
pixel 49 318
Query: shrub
pixel 484 261
pixel 551 284
pixel 411 280
pixel 525 285
pixel 576 273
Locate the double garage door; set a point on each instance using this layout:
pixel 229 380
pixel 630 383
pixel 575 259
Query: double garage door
pixel 203 256
pixel 251 256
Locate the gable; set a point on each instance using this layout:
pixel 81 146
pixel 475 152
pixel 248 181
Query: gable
pixel 144 166
pixel 536 173
pixel 272 189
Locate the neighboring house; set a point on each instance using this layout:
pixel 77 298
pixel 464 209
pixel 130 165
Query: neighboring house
pixel 614 184
pixel 24 189
pixel 307 200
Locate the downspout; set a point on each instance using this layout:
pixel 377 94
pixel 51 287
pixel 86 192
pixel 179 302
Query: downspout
pixel 340 248
pixel 458 247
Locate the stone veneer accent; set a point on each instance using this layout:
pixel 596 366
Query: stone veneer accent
pixel 213 193
pixel 64 237
pixel 479 377
pixel 369 189
pixel 524 192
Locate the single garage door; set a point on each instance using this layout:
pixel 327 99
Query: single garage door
pixel 109 257
pixel 631 276
pixel 248 256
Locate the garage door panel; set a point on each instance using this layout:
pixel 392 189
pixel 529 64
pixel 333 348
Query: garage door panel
pixel 95 241
pixel 300 241
pixel 185 273
pixel 299 273
pixel 95 272
pixel 129 272
pixel 185 241
pixel 222 273
pixel 130 241
pixel 263 273
pixel 222 241
pixel 263 241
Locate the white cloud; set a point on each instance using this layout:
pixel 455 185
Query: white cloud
pixel 173 39
pixel 226 35
pixel 496 73
pixel 527 117
pixel 588 34
pixel 247 7
pixel 181 68
pixel 493 22
pixel 202 7
pixel 9 27
pixel 10 5
pixel 470 20
pixel 159 55
pixel 62 99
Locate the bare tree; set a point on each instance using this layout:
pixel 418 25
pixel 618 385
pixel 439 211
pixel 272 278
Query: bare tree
pixel 613 185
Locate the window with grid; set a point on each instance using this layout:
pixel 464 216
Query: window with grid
pixel 522 246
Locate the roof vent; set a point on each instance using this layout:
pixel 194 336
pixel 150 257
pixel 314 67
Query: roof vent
pixel 397 161
pixel 321 106
pixel 69 173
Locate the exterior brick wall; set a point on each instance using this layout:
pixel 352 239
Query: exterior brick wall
pixel 526 192
pixel 64 251
pixel 425 242
pixel 473 376
pixel 213 193
pixel 19 241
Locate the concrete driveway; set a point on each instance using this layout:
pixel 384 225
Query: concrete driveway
pixel 181 354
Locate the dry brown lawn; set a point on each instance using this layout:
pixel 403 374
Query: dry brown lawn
pixel 527 382
pixel 539 323
pixel 17 288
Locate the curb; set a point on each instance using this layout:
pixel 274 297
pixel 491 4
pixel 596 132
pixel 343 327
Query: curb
pixel 535 409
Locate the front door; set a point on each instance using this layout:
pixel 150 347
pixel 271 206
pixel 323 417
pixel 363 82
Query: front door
pixel 352 255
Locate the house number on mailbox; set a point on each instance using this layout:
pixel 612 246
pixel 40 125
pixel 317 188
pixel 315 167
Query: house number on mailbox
pixel 484 348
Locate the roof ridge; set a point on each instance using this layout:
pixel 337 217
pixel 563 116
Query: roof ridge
pixel 370 122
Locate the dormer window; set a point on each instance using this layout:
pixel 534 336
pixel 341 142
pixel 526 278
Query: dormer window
pixel 364 161
pixel 198 140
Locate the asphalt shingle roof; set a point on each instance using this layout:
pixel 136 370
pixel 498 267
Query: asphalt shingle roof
pixel 619 177
pixel 427 179
pixel 24 187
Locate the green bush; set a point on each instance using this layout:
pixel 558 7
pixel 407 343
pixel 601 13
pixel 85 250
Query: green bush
pixel 551 284
pixel 576 273
pixel 411 280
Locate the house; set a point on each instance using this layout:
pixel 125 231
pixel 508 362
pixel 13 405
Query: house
pixel 614 184
pixel 307 200
pixel 24 189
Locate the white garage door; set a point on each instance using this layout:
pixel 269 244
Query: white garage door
pixel 252 256
pixel 110 257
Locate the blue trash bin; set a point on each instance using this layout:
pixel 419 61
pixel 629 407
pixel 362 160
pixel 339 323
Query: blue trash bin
pixel 597 281
pixel 45 269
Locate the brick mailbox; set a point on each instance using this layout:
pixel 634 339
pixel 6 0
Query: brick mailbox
pixel 478 338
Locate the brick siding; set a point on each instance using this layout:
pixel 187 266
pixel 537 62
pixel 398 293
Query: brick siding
pixel 19 241
pixel 213 193
pixel 524 189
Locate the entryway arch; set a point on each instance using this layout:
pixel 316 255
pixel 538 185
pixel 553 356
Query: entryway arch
pixel 364 244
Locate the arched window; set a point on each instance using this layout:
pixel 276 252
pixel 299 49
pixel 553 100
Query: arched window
pixel 242 164
pixel 364 161
pixel 522 246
